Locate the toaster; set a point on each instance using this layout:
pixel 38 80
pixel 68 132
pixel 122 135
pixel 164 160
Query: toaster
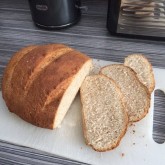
pixel 137 18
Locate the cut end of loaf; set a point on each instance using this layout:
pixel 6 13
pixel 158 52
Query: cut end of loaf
pixel 71 92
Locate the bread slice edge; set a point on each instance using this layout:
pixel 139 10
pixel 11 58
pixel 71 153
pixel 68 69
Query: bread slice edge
pixel 151 88
pixel 73 89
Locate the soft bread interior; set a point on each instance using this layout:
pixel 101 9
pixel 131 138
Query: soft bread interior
pixel 104 118
pixel 71 92
pixel 143 68
pixel 136 95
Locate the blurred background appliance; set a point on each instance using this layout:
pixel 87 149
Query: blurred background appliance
pixel 137 18
pixel 55 14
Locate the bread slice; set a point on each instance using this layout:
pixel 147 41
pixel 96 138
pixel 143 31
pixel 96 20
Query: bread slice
pixel 104 117
pixel 136 95
pixel 143 68
pixel 44 82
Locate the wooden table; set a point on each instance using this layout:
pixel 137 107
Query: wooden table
pixel 89 36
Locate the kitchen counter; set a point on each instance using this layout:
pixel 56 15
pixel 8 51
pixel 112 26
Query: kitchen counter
pixel 89 36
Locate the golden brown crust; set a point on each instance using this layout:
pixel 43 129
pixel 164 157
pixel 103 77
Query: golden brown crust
pixel 25 68
pixel 7 76
pixel 28 64
pixel 38 102
pixel 65 67
pixel 126 121
pixel 141 84
pixel 152 85
pixel 53 52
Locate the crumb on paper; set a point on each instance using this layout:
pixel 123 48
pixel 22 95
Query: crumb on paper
pixel 81 148
pixel 133 131
pixel 133 143
pixel 122 154
pixel 132 125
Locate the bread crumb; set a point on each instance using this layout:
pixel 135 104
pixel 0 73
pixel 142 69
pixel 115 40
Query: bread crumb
pixel 132 124
pixel 122 154
pixel 133 143
pixel 133 131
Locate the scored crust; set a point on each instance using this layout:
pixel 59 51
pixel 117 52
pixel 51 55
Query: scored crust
pixel 150 75
pixel 126 120
pixel 24 69
pixel 8 72
pixel 57 66
pixel 146 109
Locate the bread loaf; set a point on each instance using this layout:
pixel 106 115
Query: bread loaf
pixel 40 82
pixel 104 117
pixel 136 95
pixel 143 68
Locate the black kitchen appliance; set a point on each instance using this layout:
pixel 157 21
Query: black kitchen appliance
pixel 137 18
pixel 55 14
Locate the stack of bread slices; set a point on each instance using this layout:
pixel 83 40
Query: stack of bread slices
pixel 120 94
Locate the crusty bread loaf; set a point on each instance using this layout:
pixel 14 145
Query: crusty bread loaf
pixel 104 117
pixel 136 95
pixel 42 82
pixel 143 68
